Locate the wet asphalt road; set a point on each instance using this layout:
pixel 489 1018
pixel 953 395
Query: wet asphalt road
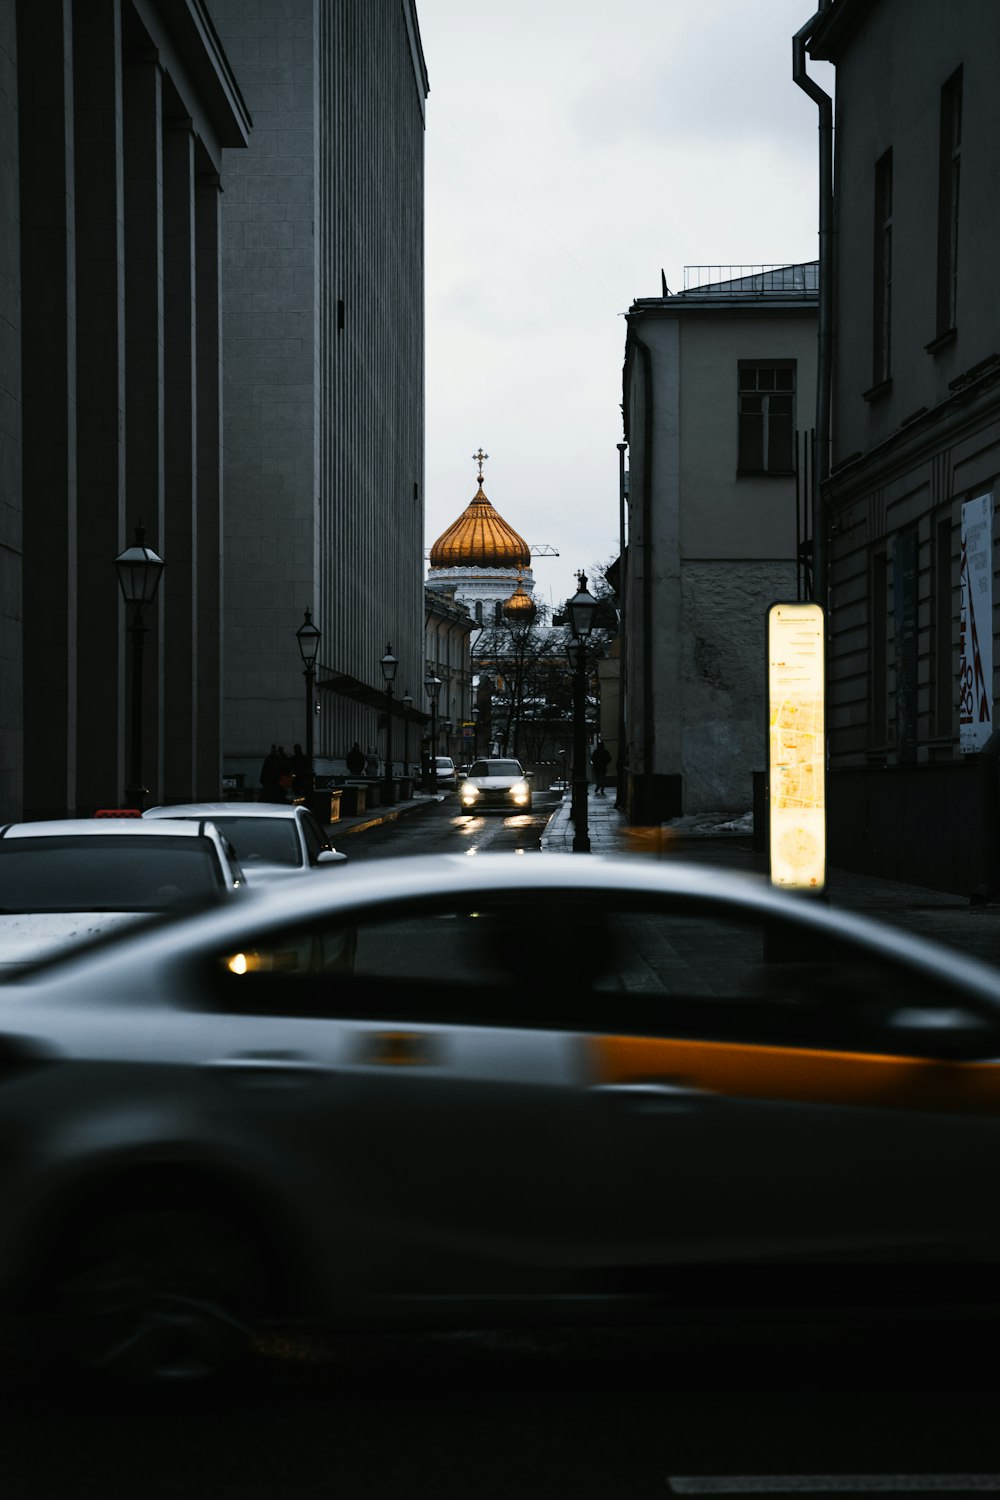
pixel 445 829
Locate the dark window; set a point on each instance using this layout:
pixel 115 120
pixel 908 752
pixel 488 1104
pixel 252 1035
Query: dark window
pixel 877 701
pixel 948 203
pixel 672 967
pixel 944 672
pixel 273 841
pixel 766 417
pixel 882 282
pixel 105 873
pixel 313 835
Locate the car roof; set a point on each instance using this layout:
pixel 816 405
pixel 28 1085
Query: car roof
pixel 375 885
pixel 97 828
pixel 223 810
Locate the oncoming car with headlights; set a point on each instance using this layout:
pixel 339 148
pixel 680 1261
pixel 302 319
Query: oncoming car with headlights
pixel 496 783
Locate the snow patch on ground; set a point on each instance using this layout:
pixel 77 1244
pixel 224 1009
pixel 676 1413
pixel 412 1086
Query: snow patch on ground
pixel 712 825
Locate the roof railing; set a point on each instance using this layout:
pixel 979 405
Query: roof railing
pixel 752 280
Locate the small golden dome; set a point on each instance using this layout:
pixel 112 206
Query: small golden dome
pixel 520 608
pixel 480 538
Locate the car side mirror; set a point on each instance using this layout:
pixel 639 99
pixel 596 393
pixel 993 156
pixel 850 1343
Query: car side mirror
pixel 330 857
pixel 528 775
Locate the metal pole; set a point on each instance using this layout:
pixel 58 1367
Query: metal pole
pixel 310 706
pixel 135 792
pixel 434 745
pixel 581 834
pixel 390 796
pixel 621 791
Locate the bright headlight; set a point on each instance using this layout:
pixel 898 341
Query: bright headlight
pixel 468 792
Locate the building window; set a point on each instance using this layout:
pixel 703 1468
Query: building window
pixel 766 416
pixel 944 668
pixel 882 281
pixel 878 706
pixel 948 192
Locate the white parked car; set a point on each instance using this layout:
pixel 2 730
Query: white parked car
pixel 447 774
pixel 63 881
pixel 271 839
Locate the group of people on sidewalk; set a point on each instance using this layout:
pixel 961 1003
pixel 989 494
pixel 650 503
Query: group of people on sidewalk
pixel 282 774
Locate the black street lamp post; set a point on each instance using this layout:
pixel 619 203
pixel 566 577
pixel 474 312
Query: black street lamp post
pixel 475 734
pixel 432 687
pixel 139 573
pixel 308 636
pixel 580 609
pixel 407 703
pixel 388 664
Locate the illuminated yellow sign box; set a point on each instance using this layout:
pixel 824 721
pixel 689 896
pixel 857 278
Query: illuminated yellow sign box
pixel 796 746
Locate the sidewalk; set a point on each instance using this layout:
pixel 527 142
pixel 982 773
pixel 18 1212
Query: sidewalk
pixel 727 842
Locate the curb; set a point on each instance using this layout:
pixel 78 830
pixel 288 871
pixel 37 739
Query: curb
pixel 345 826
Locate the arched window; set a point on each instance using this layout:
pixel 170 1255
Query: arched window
pixel 479 611
pixel 498 611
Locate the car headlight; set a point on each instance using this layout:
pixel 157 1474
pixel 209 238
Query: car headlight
pixel 519 792
pixel 468 792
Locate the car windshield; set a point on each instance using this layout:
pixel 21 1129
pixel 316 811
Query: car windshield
pixel 104 873
pixel 496 768
pixel 271 841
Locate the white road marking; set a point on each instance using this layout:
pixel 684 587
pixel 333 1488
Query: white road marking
pixel 833 1484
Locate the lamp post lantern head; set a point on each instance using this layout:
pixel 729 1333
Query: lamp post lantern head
pixel 432 687
pixel 581 609
pixel 574 647
pixel 388 664
pixel 407 702
pixel 308 636
pixel 139 572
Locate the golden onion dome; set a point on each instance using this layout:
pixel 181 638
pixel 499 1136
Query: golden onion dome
pixel 480 538
pixel 520 608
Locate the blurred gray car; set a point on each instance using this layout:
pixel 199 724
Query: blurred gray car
pixel 450 1090
pixel 272 839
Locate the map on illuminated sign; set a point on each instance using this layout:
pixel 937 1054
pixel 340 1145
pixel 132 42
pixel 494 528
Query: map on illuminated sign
pixel 796 746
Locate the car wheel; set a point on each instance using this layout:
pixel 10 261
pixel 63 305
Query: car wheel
pixel 156 1297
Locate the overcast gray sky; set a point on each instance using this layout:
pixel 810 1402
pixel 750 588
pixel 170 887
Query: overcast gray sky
pixel 573 148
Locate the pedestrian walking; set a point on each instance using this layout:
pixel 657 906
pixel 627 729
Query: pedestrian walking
pixel 269 775
pixel 299 767
pixel 600 760
pixel 355 760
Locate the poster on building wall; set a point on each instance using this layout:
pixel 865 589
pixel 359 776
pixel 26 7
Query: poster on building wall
pixel 796 750
pixel 975 649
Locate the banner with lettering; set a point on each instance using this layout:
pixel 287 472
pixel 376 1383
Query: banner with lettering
pixel 975 671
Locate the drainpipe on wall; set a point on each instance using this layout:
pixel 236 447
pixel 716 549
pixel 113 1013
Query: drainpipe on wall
pixel 642 808
pixel 621 793
pixel 821 450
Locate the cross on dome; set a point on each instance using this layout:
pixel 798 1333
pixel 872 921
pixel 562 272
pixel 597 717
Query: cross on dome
pixel 480 458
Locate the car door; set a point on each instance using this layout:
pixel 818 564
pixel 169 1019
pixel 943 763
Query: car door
pixel 759 1095
pixel 386 1060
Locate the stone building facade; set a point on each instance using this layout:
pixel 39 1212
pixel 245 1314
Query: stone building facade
pixel 323 324
pixel 912 495
pixel 717 381
pixel 115 116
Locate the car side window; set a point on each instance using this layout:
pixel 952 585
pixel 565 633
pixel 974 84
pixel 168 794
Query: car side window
pixel 313 835
pixel 563 961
